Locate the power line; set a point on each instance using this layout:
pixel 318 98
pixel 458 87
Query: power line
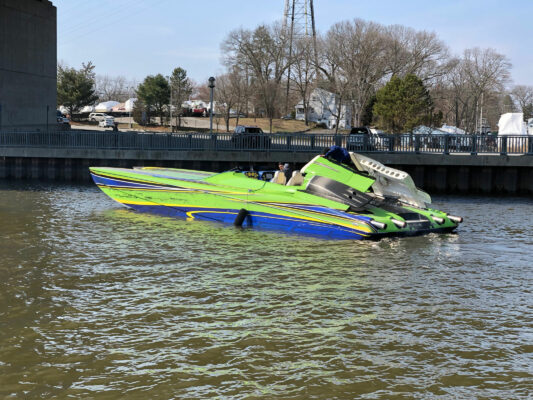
pixel 103 14
pixel 109 19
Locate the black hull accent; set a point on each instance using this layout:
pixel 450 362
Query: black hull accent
pixel 379 236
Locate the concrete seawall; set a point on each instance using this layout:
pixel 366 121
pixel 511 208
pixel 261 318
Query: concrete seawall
pixel 436 173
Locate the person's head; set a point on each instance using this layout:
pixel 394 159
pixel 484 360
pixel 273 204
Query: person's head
pixel 286 167
pixel 280 166
pixel 325 151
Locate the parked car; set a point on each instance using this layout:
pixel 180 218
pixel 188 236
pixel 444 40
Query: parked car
pixel 107 122
pixel 361 138
pixel 234 114
pixel 250 137
pixel 98 116
pixel 61 119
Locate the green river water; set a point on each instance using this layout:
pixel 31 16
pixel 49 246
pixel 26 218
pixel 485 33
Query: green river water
pixel 99 302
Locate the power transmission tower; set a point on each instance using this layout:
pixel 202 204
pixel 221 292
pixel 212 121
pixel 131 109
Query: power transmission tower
pixel 299 18
pixel 298 23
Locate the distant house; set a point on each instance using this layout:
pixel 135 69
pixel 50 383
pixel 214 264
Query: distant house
pixel 127 106
pixel 323 109
pixel 106 106
pixel 195 108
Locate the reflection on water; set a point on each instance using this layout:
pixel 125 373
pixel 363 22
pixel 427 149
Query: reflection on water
pixel 97 301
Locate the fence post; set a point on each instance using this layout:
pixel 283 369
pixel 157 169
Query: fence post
pixel 447 144
pixel 392 139
pixel 503 145
pixel 338 140
pixel 214 140
pixel 530 145
pixel 366 146
pixel 417 144
pixel 313 142
pixel 289 142
pixel 473 151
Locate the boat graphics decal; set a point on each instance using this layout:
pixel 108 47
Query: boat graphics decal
pixel 300 212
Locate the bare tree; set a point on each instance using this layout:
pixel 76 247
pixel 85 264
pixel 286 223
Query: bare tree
pixel 226 96
pixel 353 55
pixel 523 96
pixel 419 53
pixel 264 53
pixel 303 72
pixel 476 80
pixel 116 88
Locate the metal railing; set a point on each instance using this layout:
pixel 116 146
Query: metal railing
pixel 283 142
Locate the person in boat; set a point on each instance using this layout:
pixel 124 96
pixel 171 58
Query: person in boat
pixel 287 170
pixel 337 153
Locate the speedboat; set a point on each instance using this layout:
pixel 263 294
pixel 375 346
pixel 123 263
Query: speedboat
pixel 361 199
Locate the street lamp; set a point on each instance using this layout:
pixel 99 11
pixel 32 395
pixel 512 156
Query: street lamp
pixel 170 108
pixel 211 86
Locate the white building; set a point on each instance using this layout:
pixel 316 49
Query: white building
pixel 106 106
pixel 512 124
pixel 323 109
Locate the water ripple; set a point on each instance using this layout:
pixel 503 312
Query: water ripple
pixel 101 302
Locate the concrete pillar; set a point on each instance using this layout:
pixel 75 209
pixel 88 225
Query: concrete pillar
pixel 526 180
pixel 35 168
pixel 510 183
pixel 438 179
pixel 82 169
pixel 67 170
pixel 215 166
pixel 3 168
pixel 483 179
pixel 18 168
pixel 418 176
pixel 452 184
pixel 505 180
pixel 463 179
pixel 51 169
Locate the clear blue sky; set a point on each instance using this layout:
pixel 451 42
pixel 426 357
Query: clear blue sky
pixel 136 38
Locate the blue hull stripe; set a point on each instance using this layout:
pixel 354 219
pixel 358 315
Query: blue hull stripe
pixel 259 220
pixel 256 220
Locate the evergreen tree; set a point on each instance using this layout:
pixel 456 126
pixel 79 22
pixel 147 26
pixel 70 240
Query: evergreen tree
pixel 76 88
pixel 402 104
pixel 368 112
pixel 154 93
pixel 181 87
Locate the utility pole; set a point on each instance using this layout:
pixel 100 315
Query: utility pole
pixel 211 86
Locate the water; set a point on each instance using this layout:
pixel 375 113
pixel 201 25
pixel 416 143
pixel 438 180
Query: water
pixel 100 302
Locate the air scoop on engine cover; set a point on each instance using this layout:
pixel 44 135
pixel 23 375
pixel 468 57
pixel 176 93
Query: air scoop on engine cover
pixel 336 191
